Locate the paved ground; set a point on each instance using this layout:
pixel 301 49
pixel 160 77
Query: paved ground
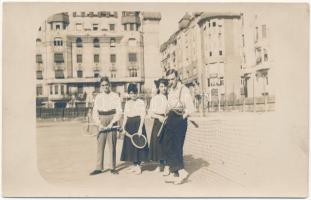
pixel 65 158
pixel 246 153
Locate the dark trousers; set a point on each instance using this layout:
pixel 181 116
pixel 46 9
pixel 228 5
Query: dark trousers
pixel 173 140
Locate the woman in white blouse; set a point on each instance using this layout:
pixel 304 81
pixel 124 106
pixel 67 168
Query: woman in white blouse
pixel 157 111
pixel 134 116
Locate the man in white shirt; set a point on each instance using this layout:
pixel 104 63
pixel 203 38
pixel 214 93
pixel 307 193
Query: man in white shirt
pixel 180 107
pixel 107 112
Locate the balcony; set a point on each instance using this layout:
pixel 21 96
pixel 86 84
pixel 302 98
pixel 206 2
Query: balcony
pixel 132 65
pixel 57 97
pixel 113 67
pixel 39 67
pixel 130 19
pixel 59 66
pixel 96 68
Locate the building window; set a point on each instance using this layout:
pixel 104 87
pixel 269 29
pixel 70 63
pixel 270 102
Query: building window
pixel 39 75
pixel 133 72
pixel 58 42
pixel 220 52
pixel 80 89
pixel 125 27
pixel 112 42
pixel 79 27
pixel 113 74
pixel 62 89
pixel 265 55
pixel 264 31
pixel 243 40
pixel 208 82
pixel 39 90
pixel 96 74
pixel 96 43
pixel 209 24
pixel 132 57
pixel 132 42
pixel 79 58
pixel 38 41
pixel 79 73
pixel 214 24
pixel 112 27
pixel 59 74
pixel 210 54
pixel 51 89
pixel 55 89
pixel 57 26
pixel 95 27
pixel 97 88
pixel 256 34
pixel 131 27
pixel 96 58
pixel 113 58
pixel 39 58
pixel 221 81
pixel 79 42
pixel 58 58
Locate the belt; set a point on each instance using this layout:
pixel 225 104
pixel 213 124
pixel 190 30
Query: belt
pixel 109 112
pixel 160 114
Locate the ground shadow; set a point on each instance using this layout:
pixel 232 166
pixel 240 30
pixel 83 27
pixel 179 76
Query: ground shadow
pixel 191 164
pixel 194 164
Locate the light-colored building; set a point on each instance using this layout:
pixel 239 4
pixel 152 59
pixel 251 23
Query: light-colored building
pixel 75 49
pixel 205 50
pixel 219 55
pixel 257 66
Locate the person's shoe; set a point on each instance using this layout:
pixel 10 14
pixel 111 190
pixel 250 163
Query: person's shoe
pixel 166 171
pixel 157 170
pixel 131 169
pixel 170 178
pixel 95 172
pixel 138 170
pixel 183 175
pixel 113 171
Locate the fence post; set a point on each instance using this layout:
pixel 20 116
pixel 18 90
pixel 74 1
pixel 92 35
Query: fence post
pixel 63 114
pixel 254 100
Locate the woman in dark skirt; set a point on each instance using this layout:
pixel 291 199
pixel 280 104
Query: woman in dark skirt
pixel 158 107
pixel 134 115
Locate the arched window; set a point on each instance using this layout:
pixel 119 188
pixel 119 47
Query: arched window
pixel 132 42
pixel 58 41
pixel 79 42
pixel 96 43
pixel 38 41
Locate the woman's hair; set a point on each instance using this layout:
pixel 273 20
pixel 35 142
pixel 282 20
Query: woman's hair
pixel 159 82
pixel 105 78
pixel 132 88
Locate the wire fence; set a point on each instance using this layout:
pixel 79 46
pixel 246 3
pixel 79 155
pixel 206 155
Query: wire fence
pixel 257 104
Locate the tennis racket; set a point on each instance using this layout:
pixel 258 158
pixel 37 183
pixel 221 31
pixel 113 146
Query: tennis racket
pixel 138 141
pixel 92 129
pixel 164 122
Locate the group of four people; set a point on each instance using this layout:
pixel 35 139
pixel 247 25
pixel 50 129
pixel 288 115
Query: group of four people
pixel 170 109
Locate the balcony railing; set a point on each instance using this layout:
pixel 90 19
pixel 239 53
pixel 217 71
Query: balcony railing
pixel 59 66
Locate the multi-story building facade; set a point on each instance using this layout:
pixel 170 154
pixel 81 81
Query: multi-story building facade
pixel 217 53
pixel 74 50
pixel 257 70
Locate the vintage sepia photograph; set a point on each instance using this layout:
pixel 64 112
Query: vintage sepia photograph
pixel 156 99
